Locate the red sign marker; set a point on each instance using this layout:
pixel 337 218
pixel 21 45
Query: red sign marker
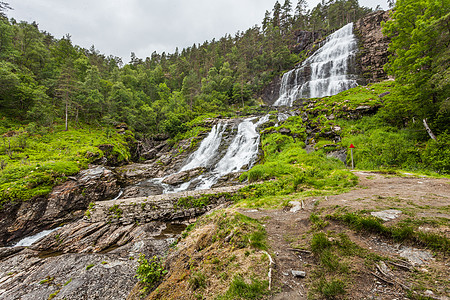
pixel 351 146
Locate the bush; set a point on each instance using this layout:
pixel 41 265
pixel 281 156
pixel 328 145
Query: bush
pixel 331 289
pixel 437 154
pixel 150 271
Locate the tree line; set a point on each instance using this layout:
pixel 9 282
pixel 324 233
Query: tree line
pixel 45 80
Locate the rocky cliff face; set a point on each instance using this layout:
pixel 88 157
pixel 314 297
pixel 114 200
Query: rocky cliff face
pixel 66 202
pixel 373 46
pixel 306 39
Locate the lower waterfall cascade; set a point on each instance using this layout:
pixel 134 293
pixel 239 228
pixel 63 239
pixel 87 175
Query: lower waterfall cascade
pixel 325 73
pixel 241 153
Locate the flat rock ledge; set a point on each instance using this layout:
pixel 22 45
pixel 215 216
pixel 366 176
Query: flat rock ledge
pixel 167 207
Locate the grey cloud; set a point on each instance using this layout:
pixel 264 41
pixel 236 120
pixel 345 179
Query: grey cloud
pixel 119 27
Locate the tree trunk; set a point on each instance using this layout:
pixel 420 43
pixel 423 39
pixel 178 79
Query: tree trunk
pixel 67 115
pixel 430 133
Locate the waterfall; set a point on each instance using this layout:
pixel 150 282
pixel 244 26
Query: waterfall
pixel 325 73
pixel 207 150
pixel 241 153
pixel 30 240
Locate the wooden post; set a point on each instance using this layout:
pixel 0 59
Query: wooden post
pixel 353 164
pixel 351 151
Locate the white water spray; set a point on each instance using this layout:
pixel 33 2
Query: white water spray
pixel 241 153
pixel 30 240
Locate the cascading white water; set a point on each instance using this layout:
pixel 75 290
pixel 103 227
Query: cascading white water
pixel 30 240
pixel 325 73
pixel 207 150
pixel 242 151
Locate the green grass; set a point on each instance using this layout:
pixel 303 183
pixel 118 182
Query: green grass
pixel 242 231
pixel 240 289
pixel 288 170
pixel 197 281
pixel 33 162
pixel 404 231
pixel 331 289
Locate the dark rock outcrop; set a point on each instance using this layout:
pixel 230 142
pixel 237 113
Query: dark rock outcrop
pixel 305 40
pixel 271 92
pixel 373 53
pixel 65 203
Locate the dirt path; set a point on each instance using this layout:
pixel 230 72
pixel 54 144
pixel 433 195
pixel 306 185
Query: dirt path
pixel 415 197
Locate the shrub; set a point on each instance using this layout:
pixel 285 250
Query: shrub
pixel 437 154
pixel 149 271
pixel 331 289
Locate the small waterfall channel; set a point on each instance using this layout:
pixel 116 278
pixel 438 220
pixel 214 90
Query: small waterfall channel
pixel 327 72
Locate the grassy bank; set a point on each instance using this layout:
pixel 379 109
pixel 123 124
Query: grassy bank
pixel 33 160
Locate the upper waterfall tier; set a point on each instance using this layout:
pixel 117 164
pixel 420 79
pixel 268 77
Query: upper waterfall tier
pixel 325 73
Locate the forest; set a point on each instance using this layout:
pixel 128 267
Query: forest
pixel 45 80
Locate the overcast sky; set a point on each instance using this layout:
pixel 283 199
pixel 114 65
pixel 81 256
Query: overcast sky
pixel 119 27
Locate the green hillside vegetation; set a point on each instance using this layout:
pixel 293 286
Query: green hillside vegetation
pixel 46 80
pixel 289 170
pixel 50 89
pixel 31 162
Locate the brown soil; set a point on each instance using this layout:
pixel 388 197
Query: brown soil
pixel 416 197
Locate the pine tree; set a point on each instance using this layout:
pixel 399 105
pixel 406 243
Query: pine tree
pixel 276 20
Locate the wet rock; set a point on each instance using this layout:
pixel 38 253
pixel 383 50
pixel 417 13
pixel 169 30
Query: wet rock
pixel 229 179
pixel 144 189
pixel 306 39
pixel 271 92
pixel 133 173
pixel 183 176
